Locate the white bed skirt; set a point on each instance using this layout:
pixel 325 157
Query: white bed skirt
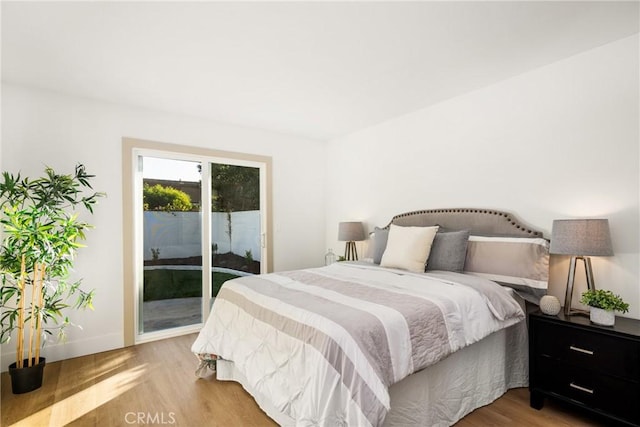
pixel 444 393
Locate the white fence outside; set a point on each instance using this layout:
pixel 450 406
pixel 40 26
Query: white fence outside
pixel 178 234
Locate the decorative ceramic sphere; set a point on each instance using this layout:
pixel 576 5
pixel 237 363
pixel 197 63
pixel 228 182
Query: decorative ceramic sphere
pixel 550 305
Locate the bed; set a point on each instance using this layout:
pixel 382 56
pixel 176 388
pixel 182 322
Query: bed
pixel 406 339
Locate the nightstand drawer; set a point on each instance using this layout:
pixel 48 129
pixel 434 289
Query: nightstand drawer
pixel 587 349
pixel 598 392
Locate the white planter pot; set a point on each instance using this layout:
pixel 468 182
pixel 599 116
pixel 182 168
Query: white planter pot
pixel 602 317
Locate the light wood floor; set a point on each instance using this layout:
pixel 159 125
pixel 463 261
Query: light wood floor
pixel 156 382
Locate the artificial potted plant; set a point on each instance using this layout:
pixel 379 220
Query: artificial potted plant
pixel 603 305
pixel 41 233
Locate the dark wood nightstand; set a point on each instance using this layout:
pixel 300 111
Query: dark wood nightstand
pixel 593 367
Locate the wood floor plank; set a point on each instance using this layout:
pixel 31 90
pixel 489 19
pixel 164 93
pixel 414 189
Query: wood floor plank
pixel 154 384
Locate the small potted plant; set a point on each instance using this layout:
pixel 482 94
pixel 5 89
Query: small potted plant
pixel 603 304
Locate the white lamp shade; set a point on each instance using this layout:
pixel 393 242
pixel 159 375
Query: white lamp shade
pixel 581 237
pixel 350 231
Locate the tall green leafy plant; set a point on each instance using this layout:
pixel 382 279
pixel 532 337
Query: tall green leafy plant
pixel 42 232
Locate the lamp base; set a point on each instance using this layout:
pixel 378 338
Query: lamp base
pixel 350 251
pixel 568 297
pixel 576 312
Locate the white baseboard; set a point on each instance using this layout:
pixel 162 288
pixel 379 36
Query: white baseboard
pixel 69 349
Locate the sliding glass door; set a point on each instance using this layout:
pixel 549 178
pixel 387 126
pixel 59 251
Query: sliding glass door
pixel 235 222
pixel 199 221
pixel 172 244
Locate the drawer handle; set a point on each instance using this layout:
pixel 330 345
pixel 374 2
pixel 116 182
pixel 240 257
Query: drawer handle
pixel 581 350
pixel 577 387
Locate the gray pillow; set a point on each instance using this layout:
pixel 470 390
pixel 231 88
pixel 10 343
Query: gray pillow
pixel 449 251
pixel 380 237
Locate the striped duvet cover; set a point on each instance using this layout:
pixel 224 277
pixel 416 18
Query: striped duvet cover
pixel 326 344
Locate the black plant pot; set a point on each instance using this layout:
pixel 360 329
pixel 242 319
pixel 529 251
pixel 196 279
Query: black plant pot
pixel 29 378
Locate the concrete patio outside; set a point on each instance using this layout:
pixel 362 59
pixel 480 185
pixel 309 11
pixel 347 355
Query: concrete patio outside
pixel 171 313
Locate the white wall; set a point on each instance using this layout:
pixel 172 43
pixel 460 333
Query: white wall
pixel 43 128
pixel 561 141
pixel 179 234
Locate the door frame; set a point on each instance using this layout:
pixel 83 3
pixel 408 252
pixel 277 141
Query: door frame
pixel 131 148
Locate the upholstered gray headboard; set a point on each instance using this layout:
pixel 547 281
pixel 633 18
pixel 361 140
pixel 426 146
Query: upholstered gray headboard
pixel 477 221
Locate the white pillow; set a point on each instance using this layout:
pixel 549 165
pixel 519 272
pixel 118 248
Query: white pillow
pixel 408 248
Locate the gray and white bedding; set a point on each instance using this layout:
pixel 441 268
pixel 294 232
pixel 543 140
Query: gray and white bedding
pixel 326 344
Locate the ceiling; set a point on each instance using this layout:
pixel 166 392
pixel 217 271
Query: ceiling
pixel 314 69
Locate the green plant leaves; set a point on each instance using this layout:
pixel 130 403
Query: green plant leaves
pixel 605 300
pixel 40 222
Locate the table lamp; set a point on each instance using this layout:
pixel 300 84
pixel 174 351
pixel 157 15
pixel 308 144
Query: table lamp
pixel 350 232
pixel 580 238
